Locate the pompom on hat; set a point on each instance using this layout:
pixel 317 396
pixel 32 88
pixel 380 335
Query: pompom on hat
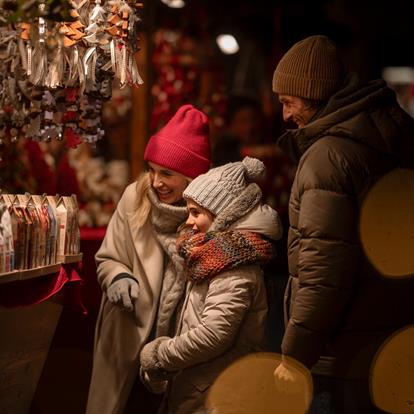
pixel 217 188
pixel 182 145
pixel 310 69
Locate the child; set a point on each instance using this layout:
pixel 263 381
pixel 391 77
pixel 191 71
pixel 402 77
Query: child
pixel 224 311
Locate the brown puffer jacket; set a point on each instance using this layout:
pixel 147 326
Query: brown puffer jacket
pixel 338 309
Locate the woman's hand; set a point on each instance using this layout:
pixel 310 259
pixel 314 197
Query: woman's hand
pixel 123 291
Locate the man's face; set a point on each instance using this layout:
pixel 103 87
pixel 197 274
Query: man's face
pixel 295 109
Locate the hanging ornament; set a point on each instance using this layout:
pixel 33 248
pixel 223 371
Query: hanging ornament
pixel 57 62
pixel 121 21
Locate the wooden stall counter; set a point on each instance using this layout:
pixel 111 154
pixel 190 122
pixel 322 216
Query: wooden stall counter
pixel 31 303
pixel 69 362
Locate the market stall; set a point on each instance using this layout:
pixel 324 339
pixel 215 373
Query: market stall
pixel 39 273
pixel 58 64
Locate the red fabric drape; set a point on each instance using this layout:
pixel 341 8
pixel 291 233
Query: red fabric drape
pixel 36 290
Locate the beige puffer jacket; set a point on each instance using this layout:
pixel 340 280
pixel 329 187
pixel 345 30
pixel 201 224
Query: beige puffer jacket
pixel 221 319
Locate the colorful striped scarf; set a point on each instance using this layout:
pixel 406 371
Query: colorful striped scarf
pixel 208 254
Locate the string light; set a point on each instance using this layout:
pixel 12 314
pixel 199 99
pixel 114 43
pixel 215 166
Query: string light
pixel 227 44
pixel 174 4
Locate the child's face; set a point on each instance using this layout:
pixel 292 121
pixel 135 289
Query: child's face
pixel 199 218
pixel 169 185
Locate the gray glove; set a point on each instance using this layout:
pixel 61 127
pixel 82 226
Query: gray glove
pixel 155 386
pixel 123 291
pixel 153 376
pixel 150 362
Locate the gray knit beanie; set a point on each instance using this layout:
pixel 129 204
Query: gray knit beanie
pixel 310 69
pixel 217 188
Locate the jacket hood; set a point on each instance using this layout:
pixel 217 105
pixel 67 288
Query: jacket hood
pixel 247 213
pixel 367 113
pixel 262 219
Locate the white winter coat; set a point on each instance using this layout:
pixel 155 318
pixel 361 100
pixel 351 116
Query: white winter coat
pixel 119 334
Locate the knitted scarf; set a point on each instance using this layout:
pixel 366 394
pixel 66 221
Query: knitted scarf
pixel 208 254
pixel 165 219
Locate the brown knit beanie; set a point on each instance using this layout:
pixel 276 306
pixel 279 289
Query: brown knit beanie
pixel 310 69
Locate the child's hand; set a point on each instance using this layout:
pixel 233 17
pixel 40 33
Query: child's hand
pixel 154 385
pixel 149 359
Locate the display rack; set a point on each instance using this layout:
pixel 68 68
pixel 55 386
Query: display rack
pixel 70 258
pixel 18 275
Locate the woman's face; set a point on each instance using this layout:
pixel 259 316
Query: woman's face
pixel 199 218
pixel 169 185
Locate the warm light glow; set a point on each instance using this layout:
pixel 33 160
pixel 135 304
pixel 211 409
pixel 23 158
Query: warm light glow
pixel 392 373
pixel 175 4
pixel 387 224
pixel 227 44
pixel 249 386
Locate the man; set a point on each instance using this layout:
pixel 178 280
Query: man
pixel 339 309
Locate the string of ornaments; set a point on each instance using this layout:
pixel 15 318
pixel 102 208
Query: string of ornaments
pixel 57 63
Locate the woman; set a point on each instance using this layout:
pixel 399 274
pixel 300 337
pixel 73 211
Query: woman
pixel 134 262
pixel 224 310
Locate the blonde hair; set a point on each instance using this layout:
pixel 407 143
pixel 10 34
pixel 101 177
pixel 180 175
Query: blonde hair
pixel 143 205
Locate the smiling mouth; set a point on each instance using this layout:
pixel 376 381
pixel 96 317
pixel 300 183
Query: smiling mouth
pixel 299 123
pixel 164 194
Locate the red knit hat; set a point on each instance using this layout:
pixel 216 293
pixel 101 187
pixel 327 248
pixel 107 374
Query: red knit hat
pixel 182 145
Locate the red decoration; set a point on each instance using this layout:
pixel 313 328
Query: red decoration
pixel 72 140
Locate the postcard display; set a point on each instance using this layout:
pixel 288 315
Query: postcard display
pixel 37 231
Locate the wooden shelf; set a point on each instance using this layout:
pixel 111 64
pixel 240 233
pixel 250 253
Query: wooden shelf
pixel 9 277
pixel 70 258
pixel 39 271
pixel 27 274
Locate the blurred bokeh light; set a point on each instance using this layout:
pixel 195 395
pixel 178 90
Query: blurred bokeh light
pixel 387 224
pixel 248 386
pixel 392 374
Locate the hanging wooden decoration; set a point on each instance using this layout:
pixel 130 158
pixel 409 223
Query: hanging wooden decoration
pixel 57 62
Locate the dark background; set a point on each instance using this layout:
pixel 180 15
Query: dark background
pixel 370 35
